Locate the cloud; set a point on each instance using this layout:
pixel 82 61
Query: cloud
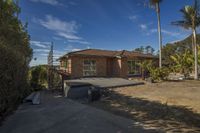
pixel 40 44
pixel 133 18
pixel 56 24
pixel 65 29
pixel 50 2
pixel 143 26
pixel 69 36
pixel 71 48
pixel 41 50
pixel 170 33
pixel 57 38
pixel 75 49
pixel 79 41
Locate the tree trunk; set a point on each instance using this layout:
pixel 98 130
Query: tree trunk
pixel 159 35
pixel 195 56
pixel 192 43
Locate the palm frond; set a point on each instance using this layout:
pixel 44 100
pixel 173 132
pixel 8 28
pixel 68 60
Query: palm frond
pixel 182 23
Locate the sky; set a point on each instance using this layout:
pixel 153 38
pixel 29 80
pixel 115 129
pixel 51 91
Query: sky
pixel 101 24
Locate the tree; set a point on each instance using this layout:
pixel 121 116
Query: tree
pixel 156 5
pixel 15 56
pixel 191 20
pixel 145 65
pixel 149 49
pixel 140 49
pixel 38 77
pixel 183 62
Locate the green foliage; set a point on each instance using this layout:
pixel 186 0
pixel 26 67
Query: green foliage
pixel 178 47
pixel 15 55
pixel 158 74
pixel 183 62
pixel 145 65
pixel 191 20
pixel 38 77
pixel 148 49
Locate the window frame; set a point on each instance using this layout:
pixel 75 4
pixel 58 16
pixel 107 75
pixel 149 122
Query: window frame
pixel 91 68
pixel 134 70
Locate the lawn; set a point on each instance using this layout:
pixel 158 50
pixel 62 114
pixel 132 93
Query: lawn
pixel 167 106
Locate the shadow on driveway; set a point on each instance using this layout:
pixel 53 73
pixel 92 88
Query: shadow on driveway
pixel 56 114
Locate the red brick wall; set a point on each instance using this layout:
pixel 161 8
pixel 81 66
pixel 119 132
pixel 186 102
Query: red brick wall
pixel 105 67
pixel 77 66
pixel 124 68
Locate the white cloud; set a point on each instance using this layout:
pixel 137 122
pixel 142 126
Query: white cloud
pixel 71 48
pixel 56 24
pixel 41 50
pixel 57 38
pixel 133 18
pixel 170 33
pixel 79 41
pixel 143 26
pixel 69 36
pixel 40 44
pixel 65 29
pixel 50 2
pixel 75 49
pixel 44 54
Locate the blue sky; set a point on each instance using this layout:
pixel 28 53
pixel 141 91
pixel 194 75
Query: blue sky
pixel 104 24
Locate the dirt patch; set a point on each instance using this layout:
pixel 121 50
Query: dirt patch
pixel 169 106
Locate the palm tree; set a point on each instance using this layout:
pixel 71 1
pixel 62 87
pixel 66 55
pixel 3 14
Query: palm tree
pixel 183 62
pixel 156 5
pixel 191 20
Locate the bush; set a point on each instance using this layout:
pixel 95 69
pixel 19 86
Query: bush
pixel 159 73
pixel 38 77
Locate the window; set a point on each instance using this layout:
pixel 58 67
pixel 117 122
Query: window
pixel 63 64
pixel 89 68
pixel 133 67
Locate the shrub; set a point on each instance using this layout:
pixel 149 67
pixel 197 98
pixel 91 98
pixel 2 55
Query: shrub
pixel 38 77
pixel 159 73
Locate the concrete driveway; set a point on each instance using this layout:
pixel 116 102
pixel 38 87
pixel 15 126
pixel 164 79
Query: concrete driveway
pixel 56 114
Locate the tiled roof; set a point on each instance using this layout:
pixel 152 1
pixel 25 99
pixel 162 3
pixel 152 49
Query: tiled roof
pixel 109 53
pixel 136 54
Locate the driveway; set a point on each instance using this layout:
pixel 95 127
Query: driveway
pixel 56 114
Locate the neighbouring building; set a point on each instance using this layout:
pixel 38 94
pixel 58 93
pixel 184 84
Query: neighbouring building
pixel 103 63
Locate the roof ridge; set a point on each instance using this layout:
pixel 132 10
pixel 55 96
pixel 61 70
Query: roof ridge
pixel 78 51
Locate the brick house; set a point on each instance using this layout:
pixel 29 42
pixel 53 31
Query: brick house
pixel 103 63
